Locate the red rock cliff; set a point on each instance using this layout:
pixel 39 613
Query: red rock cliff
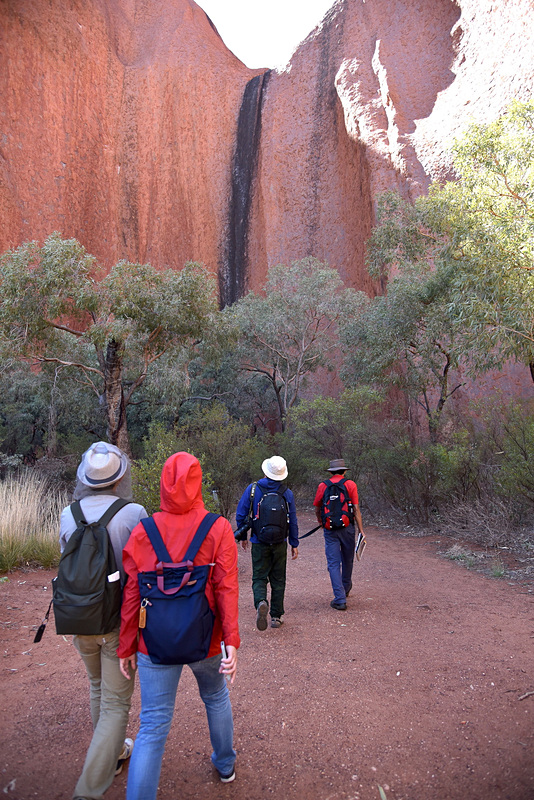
pixel 130 126
pixel 370 101
pixel 117 125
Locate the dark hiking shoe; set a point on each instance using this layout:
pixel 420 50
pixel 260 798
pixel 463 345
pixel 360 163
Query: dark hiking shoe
pixel 276 622
pixel 261 616
pixel 338 606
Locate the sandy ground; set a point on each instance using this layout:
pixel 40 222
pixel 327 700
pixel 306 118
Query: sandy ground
pixel 421 687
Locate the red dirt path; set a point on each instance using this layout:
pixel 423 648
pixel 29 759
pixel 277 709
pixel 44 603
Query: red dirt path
pixel 417 688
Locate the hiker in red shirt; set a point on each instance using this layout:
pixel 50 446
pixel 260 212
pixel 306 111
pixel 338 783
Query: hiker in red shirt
pixel 337 509
pixel 182 510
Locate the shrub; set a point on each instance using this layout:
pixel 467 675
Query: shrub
pixel 487 521
pixel 515 478
pixel 226 449
pixel 159 445
pixel 324 428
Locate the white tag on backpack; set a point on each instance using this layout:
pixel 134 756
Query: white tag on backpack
pixel 115 576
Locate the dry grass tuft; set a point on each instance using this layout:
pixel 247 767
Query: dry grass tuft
pixel 483 522
pixel 29 522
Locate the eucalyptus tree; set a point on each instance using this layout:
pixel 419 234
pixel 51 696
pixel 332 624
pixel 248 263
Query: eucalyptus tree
pixel 406 338
pixel 458 271
pixel 475 237
pixel 486 219
pixel 290 329
pixel 59 307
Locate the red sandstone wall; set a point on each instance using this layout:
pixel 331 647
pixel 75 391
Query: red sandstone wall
pixel 371 101
pixel 117 125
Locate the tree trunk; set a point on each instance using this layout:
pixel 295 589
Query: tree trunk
pixel 51 444
pixel 433 427
pixel 51 439
pixel 117 431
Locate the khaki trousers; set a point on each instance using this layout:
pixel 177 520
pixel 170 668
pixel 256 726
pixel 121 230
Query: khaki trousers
pixel 110 699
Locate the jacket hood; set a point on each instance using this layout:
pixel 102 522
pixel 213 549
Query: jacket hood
pixel 181 484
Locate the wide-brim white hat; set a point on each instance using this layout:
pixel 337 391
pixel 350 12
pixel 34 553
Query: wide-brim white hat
pixel 102 465
pixel 275 468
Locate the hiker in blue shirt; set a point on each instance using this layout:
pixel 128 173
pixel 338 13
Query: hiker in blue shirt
pixel 271 506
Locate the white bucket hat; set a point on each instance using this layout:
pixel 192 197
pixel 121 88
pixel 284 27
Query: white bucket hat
pixel 275 468
pixel 102 465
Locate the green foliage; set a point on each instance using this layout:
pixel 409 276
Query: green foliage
pixel 473 241
pixel 326 427
pixel 513 439
pixel 108 330
pixel 459 266
pixel 159 445
pixel 24 406
pixel 407 338
pixel 498 569
pixel 46 413
pixel 225 447
pixel 406 476
pixel 287 333
pixel 460 554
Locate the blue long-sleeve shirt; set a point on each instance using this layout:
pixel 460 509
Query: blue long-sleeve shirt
pixel 267 485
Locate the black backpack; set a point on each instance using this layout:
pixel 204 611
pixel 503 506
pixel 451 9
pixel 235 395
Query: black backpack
pixel 87 590
pixel 336 508
pixel 271 523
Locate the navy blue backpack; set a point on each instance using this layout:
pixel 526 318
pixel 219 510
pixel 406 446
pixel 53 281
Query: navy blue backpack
pixel 175 617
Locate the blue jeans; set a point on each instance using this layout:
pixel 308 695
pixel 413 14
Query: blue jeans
pixel 339 549
pixel 159 683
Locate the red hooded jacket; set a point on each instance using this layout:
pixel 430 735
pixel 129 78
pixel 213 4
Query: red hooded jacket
pixel 182 510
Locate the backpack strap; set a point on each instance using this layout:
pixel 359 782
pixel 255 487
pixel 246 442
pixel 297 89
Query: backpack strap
pixel 77 513
pixel 112 510
pixel 252 493
pixel 163 554
pixel 282 492
pixel 350 505
pixel 327 484
pixel 79 516
pixel 202 531
pixel 156 541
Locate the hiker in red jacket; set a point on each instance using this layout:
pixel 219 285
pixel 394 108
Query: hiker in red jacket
pixel 339 534
pixel 182 510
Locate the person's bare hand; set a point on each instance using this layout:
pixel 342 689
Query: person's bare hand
pixel 128 663
pixel 229 664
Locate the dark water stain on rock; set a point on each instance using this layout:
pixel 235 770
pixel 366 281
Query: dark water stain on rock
pixel 233 273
